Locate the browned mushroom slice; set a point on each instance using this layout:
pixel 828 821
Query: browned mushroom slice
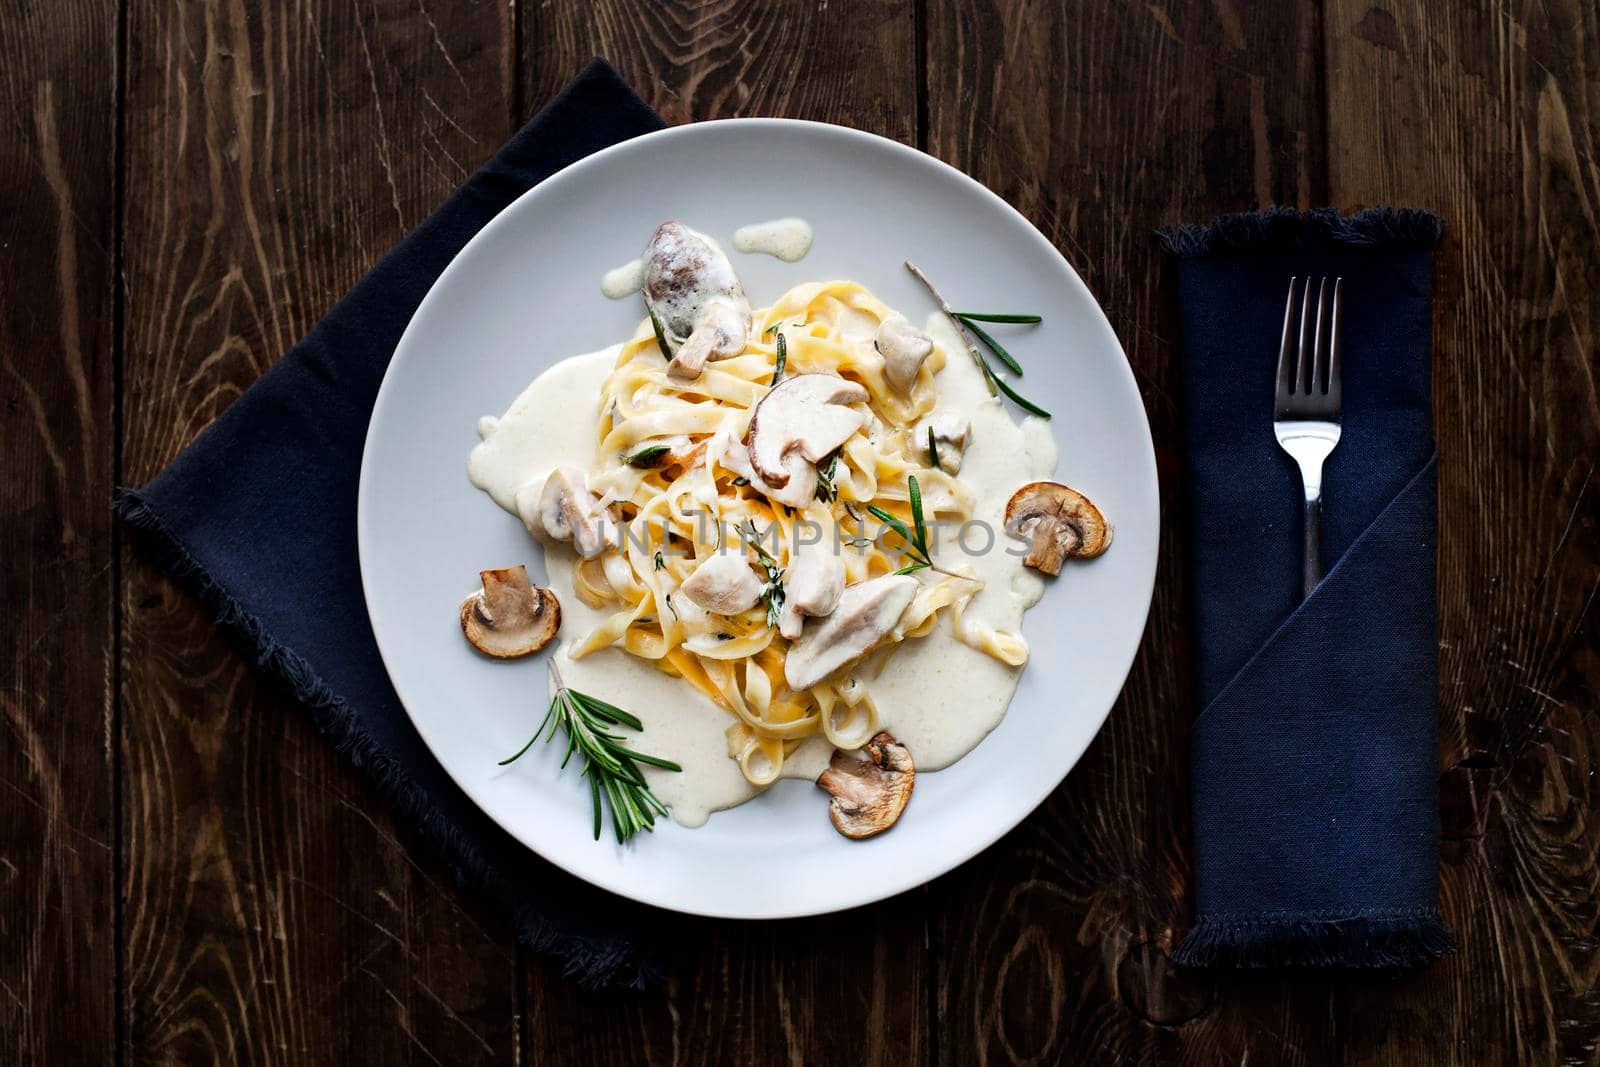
pixel 798 423
pixel 695 298
pixel 870 789
pixel 509 617
pixel 1058 522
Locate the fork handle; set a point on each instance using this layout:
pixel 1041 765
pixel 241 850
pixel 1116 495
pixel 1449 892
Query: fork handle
pixel 1311 555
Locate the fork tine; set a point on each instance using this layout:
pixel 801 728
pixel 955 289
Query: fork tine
pixel 1285 347
pixel 1319 357
pixel 1333 344
pixel 1302 382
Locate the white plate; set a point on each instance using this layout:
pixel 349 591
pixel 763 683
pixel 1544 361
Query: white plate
pixel 525 292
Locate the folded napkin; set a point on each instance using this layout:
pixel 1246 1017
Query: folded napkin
pixel 258 516
pixel 1315 756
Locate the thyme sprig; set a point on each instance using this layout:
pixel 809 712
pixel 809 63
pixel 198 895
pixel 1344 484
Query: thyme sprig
pixel 827 471
pixel 965 323
pixel 611 767
pixel 772 589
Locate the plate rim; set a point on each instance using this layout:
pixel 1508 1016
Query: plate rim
pixel 946 861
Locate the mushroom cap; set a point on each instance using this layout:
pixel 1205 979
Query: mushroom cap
pixel 804 415
pixel 684 270
pixel 869 794
pixel 510 617
pixel 1061 523
pixel 568 511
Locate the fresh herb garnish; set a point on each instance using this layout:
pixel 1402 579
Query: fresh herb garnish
pixel 783 360
pixel 661 562
pixel 980 316
pixel 661 334
pixel 993 345
pixel 827 471
pixel 740 480
pixel 772 589
pixel 648 456
pixel 612 768
pixel 965 324
pixel 916 536
pixel 933 450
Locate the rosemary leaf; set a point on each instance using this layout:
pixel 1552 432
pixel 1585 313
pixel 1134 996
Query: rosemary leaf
pixel 648 456
pixel 982 316
pixel 783 360
pixel 1021 401
pixel 933 450
pixel 994 346
pixel 661 335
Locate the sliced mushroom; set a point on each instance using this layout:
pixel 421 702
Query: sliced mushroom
pixel 1058 522
pixel 871 788
pixel 866 612
pixel 720 334
pixel 950 433
pixel 725 584
pixel 798 423
pixel 569 512
pixel 695 296
pixel 904 348
pixel 812 585
pixel 509 617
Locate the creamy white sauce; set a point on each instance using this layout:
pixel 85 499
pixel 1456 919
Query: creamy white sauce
pixel 622 282
pixel 789 238
pixel 936 695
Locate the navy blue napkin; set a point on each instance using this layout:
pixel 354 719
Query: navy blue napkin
pixel 1315 756
pixel 258 516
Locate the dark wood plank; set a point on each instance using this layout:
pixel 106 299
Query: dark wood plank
pixel 57 820
pixel 274 152
pixel 849 988
pixel 1492 116
pixel 1100 121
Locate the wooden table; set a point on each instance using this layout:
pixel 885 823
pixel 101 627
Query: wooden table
pixel 188 872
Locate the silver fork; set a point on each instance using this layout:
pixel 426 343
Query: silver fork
pixel 1307 404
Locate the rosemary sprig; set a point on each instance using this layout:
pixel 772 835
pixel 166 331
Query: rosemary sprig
pixel 772 589
pixel 915 536
pixel 916 543
pixel 965 324
pixel 611 767
pixel 648 456
pixel 933 450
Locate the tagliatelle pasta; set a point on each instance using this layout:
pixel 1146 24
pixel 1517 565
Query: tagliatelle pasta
pixel 670 453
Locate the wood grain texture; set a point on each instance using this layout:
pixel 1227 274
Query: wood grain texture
pixel 57 820
pixel 1100 122
pixel 1491 115
pixel 274 152
pixel 848 988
